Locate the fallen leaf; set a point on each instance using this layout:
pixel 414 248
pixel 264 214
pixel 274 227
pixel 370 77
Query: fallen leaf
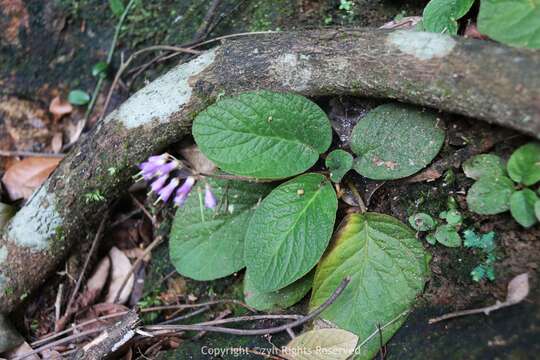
pixel 56 142
pixel 73 130
pixel 120 268
pixel 518 289
pixel 197 160
pixel 97 311
pixel 321 344
pixel 24 176
pixel 96 283
pixel 59 108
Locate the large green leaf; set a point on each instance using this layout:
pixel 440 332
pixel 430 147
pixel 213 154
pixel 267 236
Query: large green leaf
pixel 263 134
pixel 537 209
pixel 388 268
pixel 395 141
pixel 522 207
pixel 524 164
pixel 441 15
pixel 490 195
pixel 321 344
pixel 484 165
pixel 289 231
pixel 513 22
pixel 275 300
pixel 208 244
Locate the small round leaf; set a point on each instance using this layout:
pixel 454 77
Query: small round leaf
pixel 441 15
pixel 422 222
pixel 100 69
pixel 263 134
pixel 522 207
pixel 289 231
pixel 338 162
pixel 524 164
pixel 78 97
pixel 490 195
pixel 484 165
pixel 448 236
pixel 395 140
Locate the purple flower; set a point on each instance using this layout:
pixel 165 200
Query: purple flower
pixel 165 193
pixel 183 191
pixel 159 183
pixel 210 200
pixel 167 168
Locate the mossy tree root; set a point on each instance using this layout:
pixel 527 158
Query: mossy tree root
pixel 479 79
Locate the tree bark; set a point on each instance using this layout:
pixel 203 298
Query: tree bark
pixel 475 78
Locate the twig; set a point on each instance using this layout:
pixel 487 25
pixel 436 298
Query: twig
pixel 110 54
pixel 29 153
pixel 173 328
pixel 125 217
pixel 124 66
pixel 144 210
pixel 186 316
pixel 137 262
pixel 187 306
pixel 380 328
pixel 69 305
pixel 357 196
pixel 221 316
pixel 484 310
pixel 205 24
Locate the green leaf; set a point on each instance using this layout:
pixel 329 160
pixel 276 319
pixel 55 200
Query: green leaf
pixel 452 217
pixel 388 268
pixel 275 300
pixel 78 97
pixel 395 140
pixel 321 344
pixel 263 134
pixel 484 165
pixel 290 231
pixel 490 195
pixel 522 207
pixel 478 273
pixel 524 164
pixel 430 238
pixel 441 15
pixel 448 236
pixel 338 162
pixel 537 210
pixel 513 22
pixel 422 222
pixel 117 7
pixel 100 69
pixel 213 247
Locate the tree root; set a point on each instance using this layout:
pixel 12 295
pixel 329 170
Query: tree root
pixel 478 79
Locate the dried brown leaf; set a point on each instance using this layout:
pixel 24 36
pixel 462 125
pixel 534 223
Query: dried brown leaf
pixel 59 108
pixel 120 269
pixel 518 289
pixel 56 142
pixel 24 176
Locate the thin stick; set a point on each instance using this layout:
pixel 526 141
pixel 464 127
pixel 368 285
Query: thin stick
pixel 380 328
pixel 29 153
pixel 110 54
pixel 357 196
pixel 186 316
pixel 135 265
pixel 85 265
pixel 124 66
pixel 219 38
pixel 173 328
pixel 485 310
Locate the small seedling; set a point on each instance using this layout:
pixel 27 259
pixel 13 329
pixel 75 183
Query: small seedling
pixel 93 196
pixel 486 244
pixel 499 188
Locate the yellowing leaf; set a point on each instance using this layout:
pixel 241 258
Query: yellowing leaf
pixel 321 344
pixel 24 176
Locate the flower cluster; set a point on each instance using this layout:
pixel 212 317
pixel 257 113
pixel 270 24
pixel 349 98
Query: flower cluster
pixel 164 174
